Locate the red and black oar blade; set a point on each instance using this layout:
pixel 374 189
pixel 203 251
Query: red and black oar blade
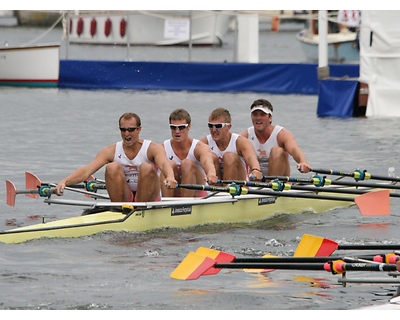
pixel 11 193
pixel 314 246
pixel 216 255
pixel 32 182
pixel 192 267
pixel 374 203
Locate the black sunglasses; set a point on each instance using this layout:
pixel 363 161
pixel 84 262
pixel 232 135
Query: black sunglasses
pixel 218 125
pixel 128 129
pixel 178 126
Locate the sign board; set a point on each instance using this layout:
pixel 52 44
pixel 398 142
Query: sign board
pixel 177 28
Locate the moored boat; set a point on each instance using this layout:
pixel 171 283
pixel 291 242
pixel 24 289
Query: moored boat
pixel 31 66
pixel 343 43
pixel 155 28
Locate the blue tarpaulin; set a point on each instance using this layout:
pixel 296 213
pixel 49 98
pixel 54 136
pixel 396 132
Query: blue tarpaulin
pixel 193 76
pixel 336 98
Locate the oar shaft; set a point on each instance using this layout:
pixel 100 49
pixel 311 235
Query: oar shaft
pixel 333 266
pixel 299 195
pixel 235 190
pixel 358 174
pixel 302 259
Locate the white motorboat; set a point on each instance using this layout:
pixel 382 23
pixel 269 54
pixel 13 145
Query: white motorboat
pixel 32 66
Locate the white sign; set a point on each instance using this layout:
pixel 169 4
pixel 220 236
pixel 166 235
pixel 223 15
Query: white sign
pixel 177 29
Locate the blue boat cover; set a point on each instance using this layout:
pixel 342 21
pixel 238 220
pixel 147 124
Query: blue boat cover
pixel 336 98
pixel 193 76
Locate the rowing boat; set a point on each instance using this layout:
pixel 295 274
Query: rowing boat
pixel 251 205
pixel 169 213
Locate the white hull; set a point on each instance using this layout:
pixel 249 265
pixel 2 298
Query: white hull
pixel 342 46
pixel 30 66
pixel 155 28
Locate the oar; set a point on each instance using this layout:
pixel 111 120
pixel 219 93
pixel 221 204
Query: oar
pixel 302 187
pixel 319 181
pixel 43 191
pixel 222 257
pixel 313 246
pixel 369 204
pixel 32 181
pixel 195 265
pixel 356 174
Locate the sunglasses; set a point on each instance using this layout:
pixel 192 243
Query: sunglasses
pixel 178 126
pixel 218 125
pixel 128 129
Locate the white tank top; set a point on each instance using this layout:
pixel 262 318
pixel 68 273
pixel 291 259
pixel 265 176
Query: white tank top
pixel 263 149
pixel 131 167
pixel 230 148
pixel 172 156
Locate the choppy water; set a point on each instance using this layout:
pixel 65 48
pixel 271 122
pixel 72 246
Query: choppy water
pixel 50 132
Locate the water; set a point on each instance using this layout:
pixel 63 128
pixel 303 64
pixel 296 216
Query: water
pixel 51 132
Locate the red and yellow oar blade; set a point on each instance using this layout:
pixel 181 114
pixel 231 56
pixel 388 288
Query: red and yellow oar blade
pixel 374 203
pixel 314 246
pixel 192 267
pixel 219 256
pixel 11 193
pixel 261 270
pixel 32 182
pixel 216 255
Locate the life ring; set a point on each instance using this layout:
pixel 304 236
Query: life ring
pixel 70 26
pixel 122 27
pixel 107 27
pixel 93 27
pixel 79 28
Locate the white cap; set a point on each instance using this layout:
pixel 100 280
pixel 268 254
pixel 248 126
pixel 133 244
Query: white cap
pixel 262 108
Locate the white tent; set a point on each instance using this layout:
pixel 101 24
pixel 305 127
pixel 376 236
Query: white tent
pixel 380 61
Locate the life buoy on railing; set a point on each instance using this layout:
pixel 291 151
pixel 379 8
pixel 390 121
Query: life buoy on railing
pixel 93 27
pixel 107 27
pixel 70 26
pixel 122 27
pixel 79 28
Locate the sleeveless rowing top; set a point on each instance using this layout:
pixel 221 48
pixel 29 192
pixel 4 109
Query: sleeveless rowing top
pixel 131 167
pixel 263 149
pixel 172 156
pixel 230 148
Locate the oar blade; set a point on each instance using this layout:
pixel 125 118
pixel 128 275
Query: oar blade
pixel 216 255
pixel 11 193
pixel 314 246
pixel 192 267
pixel 374 203
pixel 261 270
pixel 32 182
